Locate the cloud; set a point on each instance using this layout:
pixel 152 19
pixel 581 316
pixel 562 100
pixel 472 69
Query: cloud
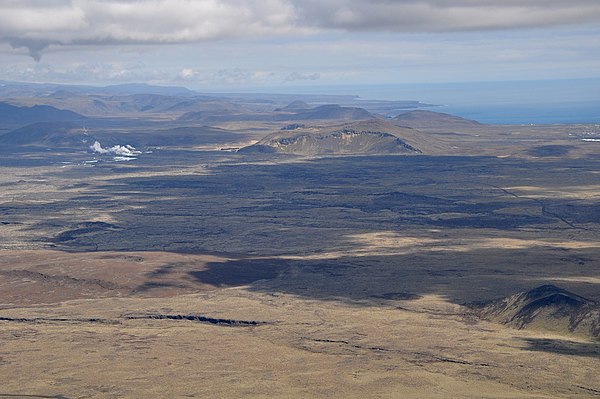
pixel 38 24
pixel 417 16
pixel 187 74
pixel 301 76
pixel 82 72
pixel 231 76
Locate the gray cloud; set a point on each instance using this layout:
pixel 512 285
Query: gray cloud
pixel 445 15
pixel 37 24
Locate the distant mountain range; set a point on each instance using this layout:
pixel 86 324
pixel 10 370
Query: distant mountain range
pixel 19 89
pixel 135 100
pixel 323 112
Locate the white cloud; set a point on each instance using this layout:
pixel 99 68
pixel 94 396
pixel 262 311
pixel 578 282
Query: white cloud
pixel 301 76
pixel 37 24
pixel 187 74
pixel 233 77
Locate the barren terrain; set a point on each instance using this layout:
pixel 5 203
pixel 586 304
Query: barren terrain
pixel 197 271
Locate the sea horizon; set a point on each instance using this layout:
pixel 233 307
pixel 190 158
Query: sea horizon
pixel 560 101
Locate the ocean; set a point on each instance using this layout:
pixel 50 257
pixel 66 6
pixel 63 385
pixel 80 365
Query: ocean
pixel 517 102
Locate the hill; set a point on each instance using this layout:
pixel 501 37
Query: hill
pixel 546 308
pixel 14 115
pixel 48 134
pixel 360 138
pixel 429 119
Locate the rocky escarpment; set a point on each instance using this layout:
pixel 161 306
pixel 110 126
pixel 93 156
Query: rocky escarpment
pixel 546 308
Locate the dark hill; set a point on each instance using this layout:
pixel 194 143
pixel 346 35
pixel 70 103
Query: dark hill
pixel 48 134
pixel 545 308
pixel 13 115
pixel 429 119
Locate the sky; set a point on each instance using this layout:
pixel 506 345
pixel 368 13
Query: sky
pixel 253 44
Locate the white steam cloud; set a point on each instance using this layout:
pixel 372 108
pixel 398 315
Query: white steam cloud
pixel 118 150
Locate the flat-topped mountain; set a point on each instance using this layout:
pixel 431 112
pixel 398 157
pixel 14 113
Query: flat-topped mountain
pixel 429 119
pixel 359 138
pixel 545 308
